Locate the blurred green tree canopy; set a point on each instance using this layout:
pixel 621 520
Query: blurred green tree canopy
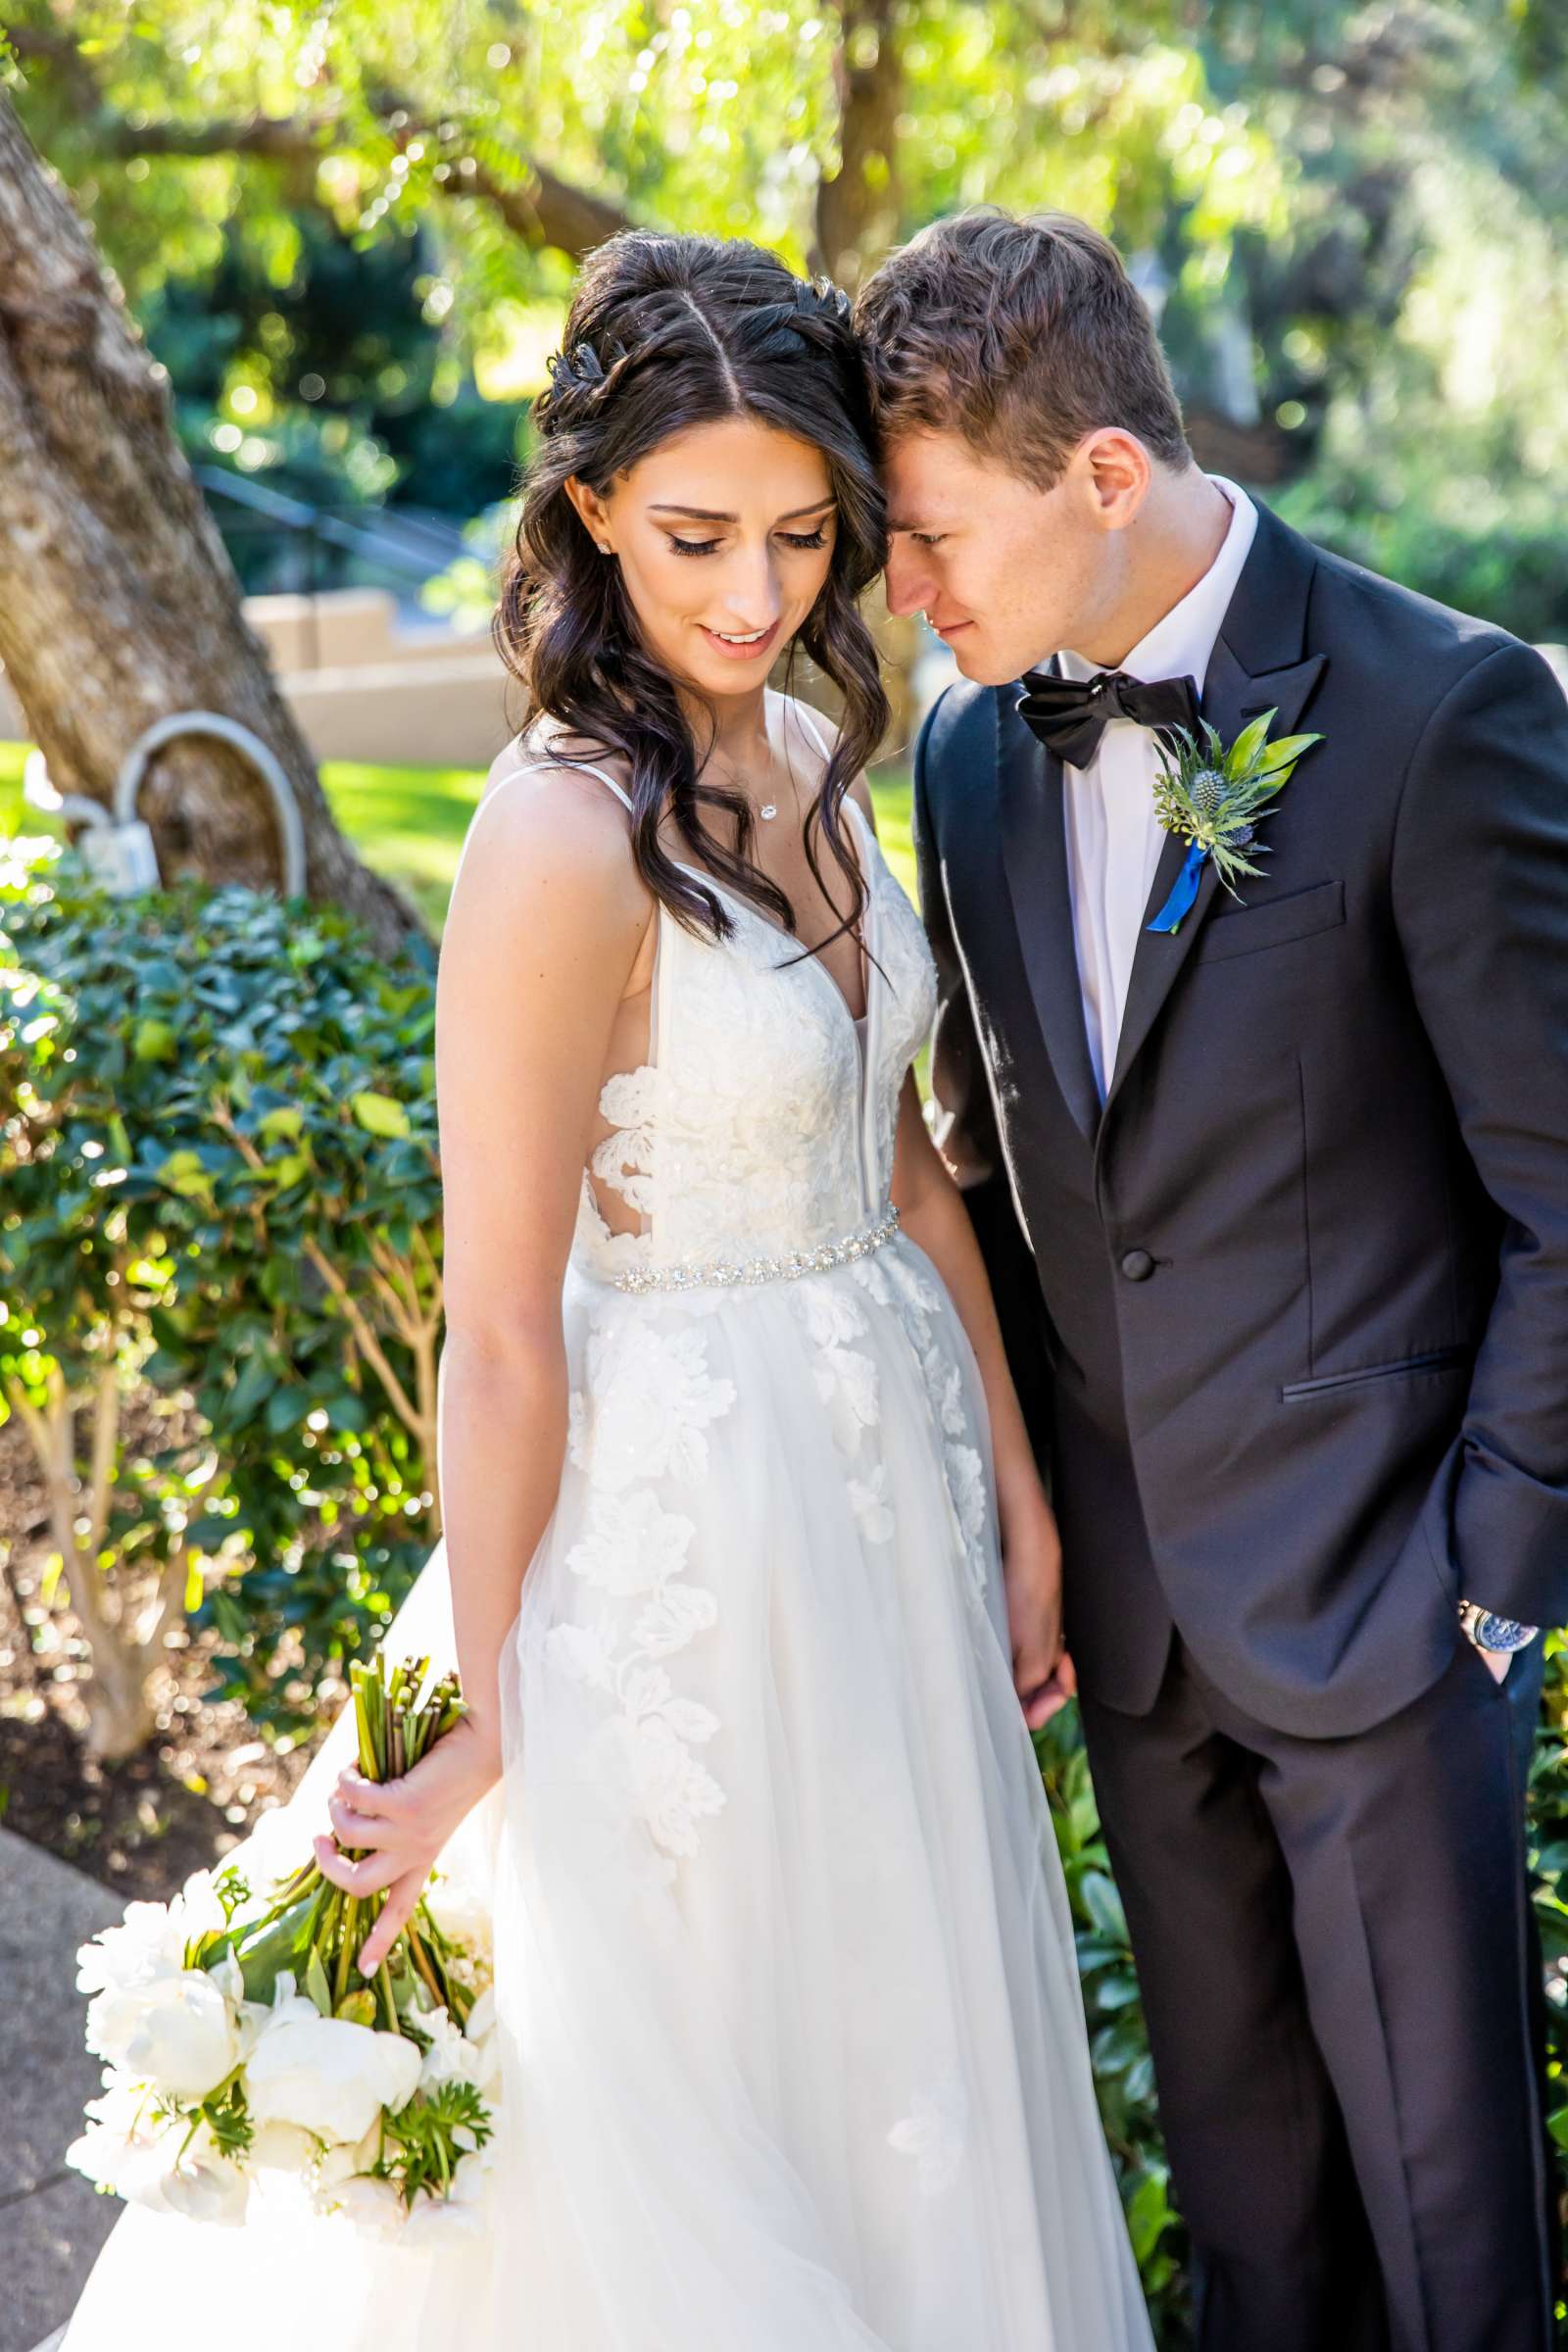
pixel 1350 218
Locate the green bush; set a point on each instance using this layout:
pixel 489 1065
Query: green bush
pixel 219 1177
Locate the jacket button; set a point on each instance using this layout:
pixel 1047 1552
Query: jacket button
pixel 1137 1265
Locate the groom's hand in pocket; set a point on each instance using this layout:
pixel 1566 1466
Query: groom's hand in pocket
pixel 1031 1562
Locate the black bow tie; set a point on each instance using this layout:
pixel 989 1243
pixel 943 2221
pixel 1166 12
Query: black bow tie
pixel 1070 714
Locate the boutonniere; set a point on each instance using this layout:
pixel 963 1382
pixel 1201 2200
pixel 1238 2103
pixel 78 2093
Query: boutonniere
pixel 1215 799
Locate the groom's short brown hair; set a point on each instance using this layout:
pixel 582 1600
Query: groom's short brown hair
pixel 1024 335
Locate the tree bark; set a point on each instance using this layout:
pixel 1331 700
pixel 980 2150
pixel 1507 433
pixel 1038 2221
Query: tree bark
pixel 858 208
pixel 118 602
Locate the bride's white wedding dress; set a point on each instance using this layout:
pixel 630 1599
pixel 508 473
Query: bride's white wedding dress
pixel 795 2047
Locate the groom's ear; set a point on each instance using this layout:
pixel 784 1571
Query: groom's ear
pixel 1115 471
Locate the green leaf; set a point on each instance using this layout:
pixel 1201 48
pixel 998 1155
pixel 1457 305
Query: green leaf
pixel 256 1383
pixel 1284 754
pixel 380 1114
pixel 1147 2215
pixel 316 1983
pixel 286 1408
pixel 1103 1905
pixel 1247 744
pixel 286 1120
pixel 154 1041
pixel 289 1169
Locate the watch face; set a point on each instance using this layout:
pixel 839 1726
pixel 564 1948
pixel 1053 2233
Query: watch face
pixel 1501 1632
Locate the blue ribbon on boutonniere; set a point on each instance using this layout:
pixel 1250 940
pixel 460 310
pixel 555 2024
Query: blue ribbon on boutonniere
pixel 1215 799
pixel 1183 891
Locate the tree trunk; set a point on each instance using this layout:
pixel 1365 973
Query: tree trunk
pixel 858 208
pixel 118 602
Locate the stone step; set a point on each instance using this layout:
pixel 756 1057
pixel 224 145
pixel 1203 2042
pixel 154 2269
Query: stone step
pixel 52 2221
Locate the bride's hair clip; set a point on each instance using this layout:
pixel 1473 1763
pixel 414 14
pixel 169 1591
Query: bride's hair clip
pixel 820 298
pixel 578 380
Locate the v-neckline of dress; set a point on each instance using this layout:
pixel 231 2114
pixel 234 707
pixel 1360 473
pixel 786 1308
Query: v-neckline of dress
pixel 861 1039
pixel 862 936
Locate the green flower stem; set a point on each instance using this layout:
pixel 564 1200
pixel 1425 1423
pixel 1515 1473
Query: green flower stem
pixel 422 1962
pixel 347 1949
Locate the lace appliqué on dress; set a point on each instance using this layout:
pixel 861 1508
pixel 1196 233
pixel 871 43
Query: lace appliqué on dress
pixel 934 2134
pixel 892 1281
pixel 624 1157
pixel 644 1416
pixel 847 1383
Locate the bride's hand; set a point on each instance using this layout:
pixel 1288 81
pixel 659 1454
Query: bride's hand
pixel 401 1826
pixel 1031 1557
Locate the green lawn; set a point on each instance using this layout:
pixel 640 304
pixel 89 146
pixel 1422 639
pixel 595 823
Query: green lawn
pixel 409 822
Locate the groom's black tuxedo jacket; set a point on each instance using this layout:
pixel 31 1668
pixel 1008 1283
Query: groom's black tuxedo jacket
pixel 1296 1355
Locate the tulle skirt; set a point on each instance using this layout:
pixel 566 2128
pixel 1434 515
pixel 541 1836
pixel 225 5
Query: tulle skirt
pixel 794 2050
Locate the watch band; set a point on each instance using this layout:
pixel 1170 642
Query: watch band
pixel 1488 1631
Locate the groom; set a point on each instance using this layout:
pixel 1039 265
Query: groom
pixel 1275 1195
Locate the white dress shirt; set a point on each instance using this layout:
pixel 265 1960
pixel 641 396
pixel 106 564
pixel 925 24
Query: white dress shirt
pixel 1113 837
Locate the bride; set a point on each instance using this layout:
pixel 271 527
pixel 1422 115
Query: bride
pixel 748 1569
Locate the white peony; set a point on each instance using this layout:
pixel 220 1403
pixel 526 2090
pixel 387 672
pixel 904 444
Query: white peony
pixel 281 2164
pixel 207 2190
pixel 451 2057
pixel 123 2148
pixel 332 2167
pixel 197 1909
pixel 177 2031
pixel 148 1943
pixel 434 2221
pixel 373 2206
pixel 161 2166
pixel 327 2076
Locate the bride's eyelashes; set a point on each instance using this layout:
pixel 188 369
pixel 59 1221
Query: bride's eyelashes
pixel 707 547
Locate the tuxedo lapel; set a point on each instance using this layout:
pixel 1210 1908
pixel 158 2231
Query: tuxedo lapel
pixel 1257 665
pixel 1033 859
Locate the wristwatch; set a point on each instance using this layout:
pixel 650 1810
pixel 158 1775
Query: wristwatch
pixel 1490 1632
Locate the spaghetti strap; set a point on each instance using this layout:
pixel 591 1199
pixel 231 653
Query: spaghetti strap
pixel 803 713
pixel 559 760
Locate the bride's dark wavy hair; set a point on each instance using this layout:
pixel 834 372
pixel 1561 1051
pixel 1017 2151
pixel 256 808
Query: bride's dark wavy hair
pixel 666 332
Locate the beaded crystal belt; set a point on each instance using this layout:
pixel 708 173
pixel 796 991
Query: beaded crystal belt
pixel 721 1273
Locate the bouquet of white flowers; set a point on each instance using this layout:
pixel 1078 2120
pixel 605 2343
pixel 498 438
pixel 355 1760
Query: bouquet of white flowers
pixel 244 2056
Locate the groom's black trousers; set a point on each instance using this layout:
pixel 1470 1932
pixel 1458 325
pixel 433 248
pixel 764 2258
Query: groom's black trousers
pixel 1334 1942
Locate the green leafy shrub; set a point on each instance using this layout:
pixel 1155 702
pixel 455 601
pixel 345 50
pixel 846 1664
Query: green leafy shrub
pixel 219 1177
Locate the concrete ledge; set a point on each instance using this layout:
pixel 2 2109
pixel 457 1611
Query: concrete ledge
pixel 434 713
pixel 52 2221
